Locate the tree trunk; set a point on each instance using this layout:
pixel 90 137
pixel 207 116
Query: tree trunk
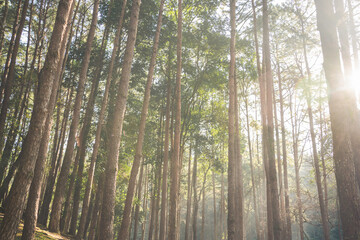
pixel 28 155
pixel 116 123
pixel 196 201
pixel 288 233
pixel 164 190
pixel 272 178
pixel 352 29
pixel 54 224
pixel 175 166
pixel 256 214
pixel 231 222
pixel 86 126
pixel 323 209
pixel 139 144
pixel 188 200
pixel 339 102
pixel 3 25
pixel 214 196
pixel 97 207
pixel 139 196
pixel 9 79
pixel 45 207
pixel 295 136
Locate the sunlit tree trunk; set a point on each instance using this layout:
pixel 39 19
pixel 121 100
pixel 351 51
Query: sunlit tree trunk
pixel 188 200
pixel 295 137
pixel 231 221
pixel 116 123
pixel 164 191
pixel 54 224
pixel 175 166
pixel 32 141
pixel 9 79
pixel 340 115
pixel 288 233
pixel 139 144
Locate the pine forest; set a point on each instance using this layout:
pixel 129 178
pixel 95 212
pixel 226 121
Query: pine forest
pixel 179 119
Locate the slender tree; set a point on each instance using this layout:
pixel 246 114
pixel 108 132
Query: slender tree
pixel 116 123
pixel 32 141
pixel 340 115
pixel 175 166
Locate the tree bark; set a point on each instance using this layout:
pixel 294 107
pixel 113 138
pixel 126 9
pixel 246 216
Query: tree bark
pixel 188 200
pixel 340 115
pixel 9 79
pixel 272 178
pixel 175 166
pixel 139 196
pixel 253 188
pixel 288 233
pixel 295 136
pixel 31 143
pixel 124 229
pixel 86 125
pixel 54 224
pixel 231 221
pixel 164 189
pixel 116 123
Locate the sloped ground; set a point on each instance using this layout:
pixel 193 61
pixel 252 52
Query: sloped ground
pixel 41 234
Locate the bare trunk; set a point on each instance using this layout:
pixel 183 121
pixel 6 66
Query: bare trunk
pixel 32 141
pixel 188 200
pixel 272 178
pixel 140 140
pixel 9 79
pixel 139 196
pixel 116 123
pixel 288 233
pixel 295 136
pixel 164 191
pixel 231 129
pixel 175 166
pixel 339 102
pixel 256 214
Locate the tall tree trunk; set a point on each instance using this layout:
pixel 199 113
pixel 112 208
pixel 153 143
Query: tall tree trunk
pixel 175 166
pixel 32 141
pixel 288 233
pixel 231 129
pixel 3 24
pixel 272 178
pixel 86 125
pixel 196 201
pixel 164 191
pixel 139 144
pixel 214 196
pixel 188 200
pixel 239 228
pixel 340 115
pixel 116 123
pixel 11 74
pixel 97 207
pixel 101 118
pixel 31 212
pixel 54 224
pixel 56 163
pixel 139 196
pixel 10 49
pixel 295 136
pixel 348 71
pixel 352 29
pixel 253 188
pixel 323 209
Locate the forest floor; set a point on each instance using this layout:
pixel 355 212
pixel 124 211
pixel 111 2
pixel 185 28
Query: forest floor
pixel 41 234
